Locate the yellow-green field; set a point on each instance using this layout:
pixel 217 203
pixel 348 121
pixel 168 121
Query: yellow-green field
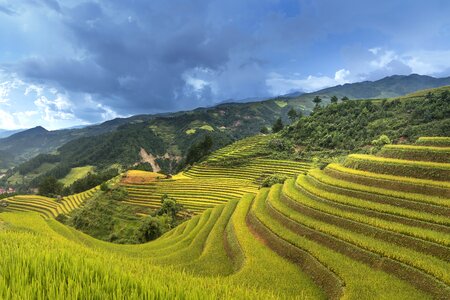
pixel 358 230
pixel 75 174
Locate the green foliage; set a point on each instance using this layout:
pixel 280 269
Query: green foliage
pixel 277 126
pixel 104 187
pixel 264 130
pixel 352 125
pixel 33 164
pixel 199 150
pixel 152 228
pixel 380 142
pixel 169 207
pixel 317 100
pixel 274 179
pixel 119 193
pixel 334 99
pixel 90 181
pixel 105 218
pixel 280 145
pixel 292 114
pixel 345 98
pixel 50 187
pixel 161 221
pixel 143 166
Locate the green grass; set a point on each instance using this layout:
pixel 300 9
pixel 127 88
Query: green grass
pixel 281 103
pixel 207 127
pixel 75 174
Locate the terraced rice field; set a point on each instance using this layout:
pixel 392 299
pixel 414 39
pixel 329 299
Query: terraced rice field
pixel 246 148
pixel 208 184
pixel 48 207
pixel 195 194
pixel 253 170
pixel 345 232
pixel 205 186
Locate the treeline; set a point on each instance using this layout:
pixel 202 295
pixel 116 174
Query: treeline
pixel 352 125
pixel 37 161
pixel 51 187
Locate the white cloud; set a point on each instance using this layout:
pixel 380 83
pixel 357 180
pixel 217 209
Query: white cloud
pixel 7 120
pixel 424 62
pixel 341 76
pixel 428 62
pixel 375 50
pixel 58 109
pixel 279 84
pixel 7 86
pixel 196 83
pixel 105 112
pixel 34 88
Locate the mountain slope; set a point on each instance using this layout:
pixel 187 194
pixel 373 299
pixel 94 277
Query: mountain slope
pixel 29 143
pixel 4 133
pixel 118 140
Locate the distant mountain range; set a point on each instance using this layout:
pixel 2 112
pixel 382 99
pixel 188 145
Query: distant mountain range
pixel 4 133
pixel 228 120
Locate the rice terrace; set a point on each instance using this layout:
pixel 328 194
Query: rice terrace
pixel 152 186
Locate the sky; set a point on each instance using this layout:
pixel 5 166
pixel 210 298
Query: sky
pixel 65 63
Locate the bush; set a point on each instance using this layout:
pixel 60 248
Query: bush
pixel 50 187
pixel 153 227
pixel 274 179
pixel 169 206
pixel 62 218
pixel 380 142
pixel 280 145
pixel 119 194
pixel 104 187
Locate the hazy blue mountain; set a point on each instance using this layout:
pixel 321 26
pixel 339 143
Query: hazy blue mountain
pixel 4 133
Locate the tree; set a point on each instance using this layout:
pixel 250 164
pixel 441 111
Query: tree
pixel 345 98
pixel 381 141
pixel 264 130
pixel 292 114
pixel 150 229
pixel 317 100
pixel 199 150
pixel 50 187
pixel 169 206
pixel 277 126
pixel 104 187
pixel 334 99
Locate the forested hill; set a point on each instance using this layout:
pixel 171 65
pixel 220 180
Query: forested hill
pixel 350 126
pixel 20 147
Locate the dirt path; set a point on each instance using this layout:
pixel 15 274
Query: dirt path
pixel 149 158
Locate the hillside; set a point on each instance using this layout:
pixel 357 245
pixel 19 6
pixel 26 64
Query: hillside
pixel 388 87
pixel 26 145
pixel 6 133
pixel 351 126
pixel 375 226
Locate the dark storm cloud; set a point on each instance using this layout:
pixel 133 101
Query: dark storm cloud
pixel 137 55
pixel 145 56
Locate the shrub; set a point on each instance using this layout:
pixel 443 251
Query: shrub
pixel 119 194
pixel 280 145
pixel 274 179
pixel 104 187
